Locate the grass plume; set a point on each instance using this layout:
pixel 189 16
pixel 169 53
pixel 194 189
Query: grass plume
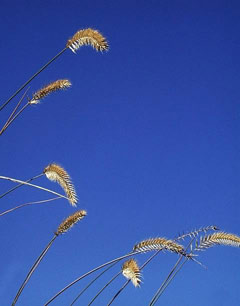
pixel 88 37
pixel 130 270
pixel 46 90
pixel 56 173
pixel 158 243
pixel 63 228
pixel 219 238
pixel 70 221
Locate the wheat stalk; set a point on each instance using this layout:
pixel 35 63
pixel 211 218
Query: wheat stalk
pixel 56 173
pixel 87 37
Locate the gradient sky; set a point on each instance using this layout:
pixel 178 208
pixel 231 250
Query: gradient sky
pixel 149 133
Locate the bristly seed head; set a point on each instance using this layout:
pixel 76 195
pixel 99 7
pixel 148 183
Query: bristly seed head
pixel 158 244
pixel 70 221
pixel 220 238
pixel 131 271
pixel 54 86
pixel 88 37
pixel 57 174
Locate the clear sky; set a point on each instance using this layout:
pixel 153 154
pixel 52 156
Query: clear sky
pixel 149 133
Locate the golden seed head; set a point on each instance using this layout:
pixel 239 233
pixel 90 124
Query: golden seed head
pixel 70 221
pixel 219 238
pixel 57 174
pixel 130 270
pixel 54 86
pixel 88 37
pixel 158 244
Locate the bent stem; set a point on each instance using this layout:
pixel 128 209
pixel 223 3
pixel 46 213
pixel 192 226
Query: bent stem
pixel 27 204
pixel 90 272
pixel 28 81
pixel 107 284
pixel 14 111
pixel 90 283
pixel 35 265
pixel 32 185
pixel 166 282
pixel 13 118
pixel 19 185
pixel 128 281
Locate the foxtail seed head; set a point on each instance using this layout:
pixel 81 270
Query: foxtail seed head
pixel 57 174
pixel 131 271
pixel 54 86
pixel 219 238
pixel 158 244
pixel 88 37
pixel 70 221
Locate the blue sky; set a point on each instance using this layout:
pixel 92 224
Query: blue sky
pixel 149 133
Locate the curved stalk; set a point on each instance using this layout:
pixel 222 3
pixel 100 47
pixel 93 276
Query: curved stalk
pixel 28 81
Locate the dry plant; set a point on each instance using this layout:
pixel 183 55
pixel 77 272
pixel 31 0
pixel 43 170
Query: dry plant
pixel 63 228
pixel 54 172
pixel 39 95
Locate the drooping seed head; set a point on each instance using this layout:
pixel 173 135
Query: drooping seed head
pixel 70 221
pixel 43 92
pixel 158 244
pixel 88 37
pixel 220 238
pixel 57 174
pixel 130 270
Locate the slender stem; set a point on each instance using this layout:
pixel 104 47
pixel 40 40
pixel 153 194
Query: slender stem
pixel 37 262
pixel 158 293
pixel 26 204
pixel 100 291
pixel 14 111
pixel 90 272
pixel 168 281
pixel 14 117
pixel 32 185
pixel 19 185
pixel 89 284
pixel 28 81
pixel 128 281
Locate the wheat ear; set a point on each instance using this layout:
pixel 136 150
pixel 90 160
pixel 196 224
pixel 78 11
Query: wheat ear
pixel 220 238
pixel 56 173
pixel 87 37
